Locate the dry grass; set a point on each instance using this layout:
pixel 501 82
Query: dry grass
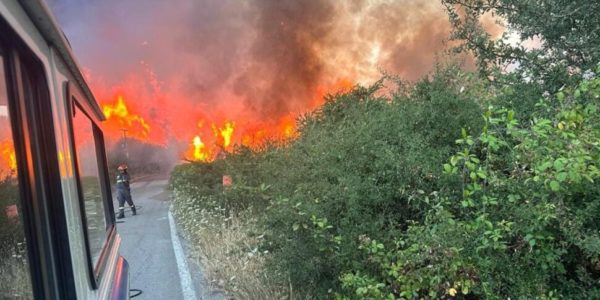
pixel 232 262
pixel 227 248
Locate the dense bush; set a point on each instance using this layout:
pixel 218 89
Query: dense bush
pixel 356 169
pixel 526 224
pixel 383 197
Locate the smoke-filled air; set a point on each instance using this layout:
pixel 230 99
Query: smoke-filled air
pixel 202 76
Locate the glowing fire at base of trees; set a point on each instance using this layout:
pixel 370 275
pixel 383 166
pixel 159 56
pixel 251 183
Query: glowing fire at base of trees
pixel 210 138
pixel 200 151
pixel 225 137
pixel 119 112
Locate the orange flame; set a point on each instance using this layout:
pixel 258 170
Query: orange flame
pixel 211 138
pixel 8 155
pixel 224 134
pixel 287 127
pixel 340 86
pixel 223 138
pixel 254 138
pixel 201 153
pixel 119 112
pixel 253 134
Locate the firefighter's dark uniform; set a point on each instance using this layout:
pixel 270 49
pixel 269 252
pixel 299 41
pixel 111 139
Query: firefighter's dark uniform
pixel 124 194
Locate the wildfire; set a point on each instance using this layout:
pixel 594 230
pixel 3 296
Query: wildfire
pixel 253 95
pixel 224 134
pixel 287 127
pixel 215 133
pixel 254 138
pixel 200 151
pixel 340 86
pixel 119 112
pixel 8 155
pixel 222 138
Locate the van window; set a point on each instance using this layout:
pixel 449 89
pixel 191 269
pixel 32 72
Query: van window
pixel 89 177
pixel 15 282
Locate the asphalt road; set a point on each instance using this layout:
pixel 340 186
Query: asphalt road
pixel 156 255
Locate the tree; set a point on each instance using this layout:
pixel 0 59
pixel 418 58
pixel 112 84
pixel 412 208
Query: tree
pixel 568 31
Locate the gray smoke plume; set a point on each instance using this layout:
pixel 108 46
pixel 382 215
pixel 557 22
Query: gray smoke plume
pixel 251 60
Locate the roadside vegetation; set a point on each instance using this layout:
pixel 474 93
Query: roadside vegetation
pixel 461 185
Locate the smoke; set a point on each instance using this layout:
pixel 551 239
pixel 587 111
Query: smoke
pixel 251 61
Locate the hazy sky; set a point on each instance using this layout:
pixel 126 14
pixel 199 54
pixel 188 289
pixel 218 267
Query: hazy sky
pixel 179 61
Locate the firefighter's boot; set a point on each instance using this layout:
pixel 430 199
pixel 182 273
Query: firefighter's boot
pixel 121 213
pixel 133 211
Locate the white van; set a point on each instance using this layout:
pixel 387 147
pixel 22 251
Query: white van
pixel 58 238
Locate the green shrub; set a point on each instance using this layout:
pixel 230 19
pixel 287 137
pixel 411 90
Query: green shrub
pixel 525 224
pixel 356 169
pixel 198 180
pixel 386 197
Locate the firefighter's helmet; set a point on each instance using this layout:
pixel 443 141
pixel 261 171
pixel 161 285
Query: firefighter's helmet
pixel 122 167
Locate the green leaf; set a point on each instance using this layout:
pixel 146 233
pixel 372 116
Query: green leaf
pixel 447 168
pixel 532 242
pixel 513 198
pixel 454 160
pixel 554 186
pixel 558 165
pixel 545 166
pixel 561 176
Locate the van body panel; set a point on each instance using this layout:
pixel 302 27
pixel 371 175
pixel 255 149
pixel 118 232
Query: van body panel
pixel 38 30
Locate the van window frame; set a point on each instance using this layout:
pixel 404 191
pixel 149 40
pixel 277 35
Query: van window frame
pixel 43 210
pixel 75 100
pixel 17 135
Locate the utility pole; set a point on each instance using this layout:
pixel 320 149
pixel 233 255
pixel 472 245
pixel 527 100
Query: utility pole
pixel 124 143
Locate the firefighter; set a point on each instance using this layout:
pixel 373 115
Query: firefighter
pixel 124 191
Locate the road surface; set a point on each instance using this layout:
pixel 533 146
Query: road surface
pixel 156 255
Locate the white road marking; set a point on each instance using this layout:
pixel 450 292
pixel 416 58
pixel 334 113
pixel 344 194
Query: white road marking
pixel 187 288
